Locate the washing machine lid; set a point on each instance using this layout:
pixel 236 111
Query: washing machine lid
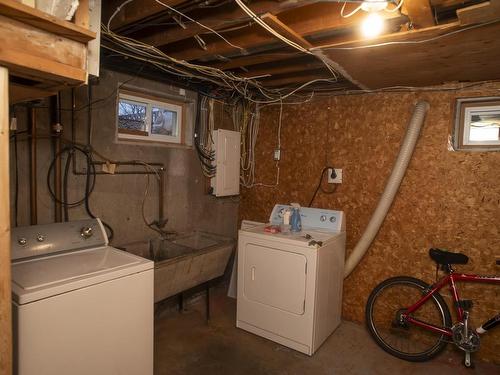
pixel 38 278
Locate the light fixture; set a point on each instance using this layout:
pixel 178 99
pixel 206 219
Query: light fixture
pixel 373 5
pixel 372 25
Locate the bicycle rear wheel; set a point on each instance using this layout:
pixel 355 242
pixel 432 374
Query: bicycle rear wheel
pixel 404 340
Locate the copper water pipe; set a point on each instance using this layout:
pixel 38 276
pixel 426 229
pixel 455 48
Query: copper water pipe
pixel 32 165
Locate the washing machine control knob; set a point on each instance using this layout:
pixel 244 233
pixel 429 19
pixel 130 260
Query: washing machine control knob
pixel 322 218
pixel 40 237
pixel 333 219
pixel 86 232
pixel 22 241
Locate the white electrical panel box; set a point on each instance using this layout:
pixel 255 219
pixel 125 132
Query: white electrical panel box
pixel 227 161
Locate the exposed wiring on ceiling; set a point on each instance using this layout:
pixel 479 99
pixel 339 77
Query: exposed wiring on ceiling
pixel 396 8
pixel 199 24
pixel 250 89
pixel 230 81
pixel 353 12
pixel 332 67
pixel 258 20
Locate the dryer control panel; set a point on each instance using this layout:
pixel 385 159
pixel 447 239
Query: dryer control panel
pixel 317 218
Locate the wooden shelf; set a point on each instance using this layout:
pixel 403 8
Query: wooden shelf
pixel 44 54
pixel 44 21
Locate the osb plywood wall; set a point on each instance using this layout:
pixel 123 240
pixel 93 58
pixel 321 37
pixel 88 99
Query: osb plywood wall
pixel 448 199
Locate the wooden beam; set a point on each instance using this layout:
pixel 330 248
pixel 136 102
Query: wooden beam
pixel 301 65
pixel 212 18
pixel 21 93
pixel 134 11
pixel 41 20
pixel 327 19
pixel 5 283
pixel 484 12
pixel 250 60
pixel 24 64
pixel 286 31
pixel 296 79
pixel 25 49
pixel 82 14
pixel 254 60
pixel 420 13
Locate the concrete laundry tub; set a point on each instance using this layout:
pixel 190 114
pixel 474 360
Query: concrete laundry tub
pixel 188 260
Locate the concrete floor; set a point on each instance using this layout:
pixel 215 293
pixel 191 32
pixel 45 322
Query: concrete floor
pixel 185 344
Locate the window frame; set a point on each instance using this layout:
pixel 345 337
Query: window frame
pixel 150 102
pixel 464 108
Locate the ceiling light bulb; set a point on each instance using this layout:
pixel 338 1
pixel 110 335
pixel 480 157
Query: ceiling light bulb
pixel 372 25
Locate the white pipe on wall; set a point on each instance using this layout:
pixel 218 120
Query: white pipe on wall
pixel 391 188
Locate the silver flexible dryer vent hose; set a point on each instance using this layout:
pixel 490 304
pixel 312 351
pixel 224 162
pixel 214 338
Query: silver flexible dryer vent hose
pixel 391 188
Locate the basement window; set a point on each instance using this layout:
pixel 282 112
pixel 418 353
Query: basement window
pixel 144 118
pixel 477 124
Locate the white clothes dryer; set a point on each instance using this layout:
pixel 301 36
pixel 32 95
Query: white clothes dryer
pixel 290 284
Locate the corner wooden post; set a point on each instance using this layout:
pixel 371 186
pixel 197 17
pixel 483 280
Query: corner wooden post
pixel 5 297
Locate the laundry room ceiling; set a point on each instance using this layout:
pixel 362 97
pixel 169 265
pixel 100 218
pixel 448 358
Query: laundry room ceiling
pixel 423 42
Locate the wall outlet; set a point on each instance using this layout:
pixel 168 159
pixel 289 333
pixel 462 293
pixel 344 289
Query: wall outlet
pixel 337 179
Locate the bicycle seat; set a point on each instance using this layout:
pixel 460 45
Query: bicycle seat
pixel 446 257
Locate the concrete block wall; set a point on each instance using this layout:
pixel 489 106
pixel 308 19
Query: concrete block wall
pixel 117 199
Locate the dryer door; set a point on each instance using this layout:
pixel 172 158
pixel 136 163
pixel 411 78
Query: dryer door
pixel 275 278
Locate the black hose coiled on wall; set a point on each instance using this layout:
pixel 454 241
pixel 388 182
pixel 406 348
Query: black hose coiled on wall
pixel 90 179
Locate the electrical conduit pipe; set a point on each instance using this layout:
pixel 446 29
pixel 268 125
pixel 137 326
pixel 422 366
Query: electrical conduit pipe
pixel 391 188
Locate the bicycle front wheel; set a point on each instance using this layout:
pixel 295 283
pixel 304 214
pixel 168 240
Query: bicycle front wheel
pixel 404 340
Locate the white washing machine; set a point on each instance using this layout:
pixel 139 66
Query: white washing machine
pixel 80 307
pixel 290 284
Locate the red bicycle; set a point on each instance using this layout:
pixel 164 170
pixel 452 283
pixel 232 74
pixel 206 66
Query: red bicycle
pixel 409 319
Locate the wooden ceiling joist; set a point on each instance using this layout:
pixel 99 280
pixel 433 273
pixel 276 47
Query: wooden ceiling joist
pixel 134 11
pixel 296 65
pixel 218 20
pixel 412 58
pixel 286 31
pixel 255 36
pixel 293 80
pixel 246 61
pixel 484 12
pixel 420 13
pixel 254 60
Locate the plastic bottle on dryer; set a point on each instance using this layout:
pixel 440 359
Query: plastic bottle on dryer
pixel 295 222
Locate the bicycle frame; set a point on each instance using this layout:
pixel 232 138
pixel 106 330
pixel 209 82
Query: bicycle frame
pixel 451 280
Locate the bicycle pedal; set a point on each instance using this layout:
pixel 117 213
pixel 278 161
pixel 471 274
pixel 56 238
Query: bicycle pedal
pixel 465 304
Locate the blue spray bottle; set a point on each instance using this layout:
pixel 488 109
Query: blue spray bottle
pixel 295 222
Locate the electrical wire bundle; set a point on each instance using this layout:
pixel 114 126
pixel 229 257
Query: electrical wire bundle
pixel 203 128
pixel 248 88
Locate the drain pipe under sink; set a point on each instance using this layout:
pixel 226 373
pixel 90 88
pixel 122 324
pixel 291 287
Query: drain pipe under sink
pixel 391 188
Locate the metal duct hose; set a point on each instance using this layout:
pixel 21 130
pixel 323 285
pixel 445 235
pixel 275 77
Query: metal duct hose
pixel 391 187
